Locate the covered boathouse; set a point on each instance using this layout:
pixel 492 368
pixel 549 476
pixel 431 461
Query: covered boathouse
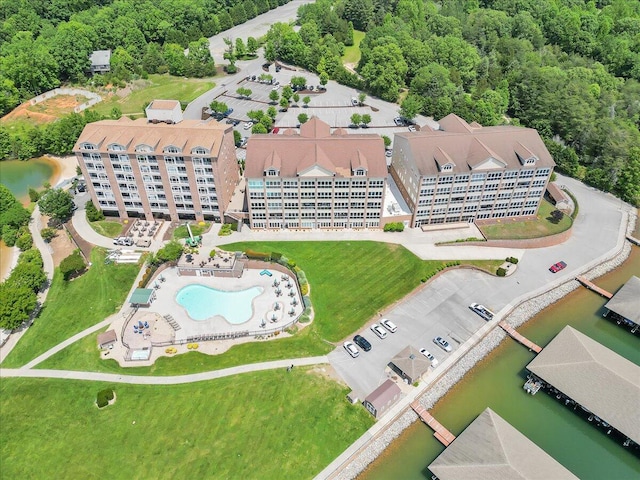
pixel 624 306
pixel 596 382
pixel 490 448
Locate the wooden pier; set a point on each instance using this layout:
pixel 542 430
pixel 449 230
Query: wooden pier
pixel 516 336
pixel 594 287
pixel 443 435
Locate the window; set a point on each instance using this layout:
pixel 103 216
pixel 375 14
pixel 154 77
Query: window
pixel 88 146
pixel 171 149
pixel 115 147
pixel 272 172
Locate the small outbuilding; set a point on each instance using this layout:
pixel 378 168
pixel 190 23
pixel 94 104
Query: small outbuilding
pixel 410 364
pixel 142 297
pixel 106 339
pixel 100 61
pixel 558 197
pixel 164 111
pixel 382 398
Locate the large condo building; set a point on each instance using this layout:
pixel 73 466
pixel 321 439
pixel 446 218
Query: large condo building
pixel 315 179
pixel 465 172
pixel 170 170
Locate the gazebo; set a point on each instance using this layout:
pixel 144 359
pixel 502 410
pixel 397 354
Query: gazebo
pixel 142 297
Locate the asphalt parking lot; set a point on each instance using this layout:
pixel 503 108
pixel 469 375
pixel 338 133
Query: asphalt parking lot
pixel 441 309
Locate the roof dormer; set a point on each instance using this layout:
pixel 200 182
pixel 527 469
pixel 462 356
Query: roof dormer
pixel 116 147
pixel 525 156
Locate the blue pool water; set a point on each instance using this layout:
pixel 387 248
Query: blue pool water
pixel 203 302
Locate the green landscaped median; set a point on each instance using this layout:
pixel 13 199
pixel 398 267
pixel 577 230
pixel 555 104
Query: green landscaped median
pixel 543 226
pixel 74 306
pixel 107 228
pixel 267 425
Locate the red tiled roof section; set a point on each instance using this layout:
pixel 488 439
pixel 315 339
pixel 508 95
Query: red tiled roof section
pixel 338 153
pixel 132 133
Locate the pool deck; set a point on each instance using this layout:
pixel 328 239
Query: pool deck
pixel 263 305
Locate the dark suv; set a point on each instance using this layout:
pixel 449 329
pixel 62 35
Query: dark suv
pixel 362 342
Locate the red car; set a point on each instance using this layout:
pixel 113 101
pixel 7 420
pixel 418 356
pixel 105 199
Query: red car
pixel 275 130
pixel 556 267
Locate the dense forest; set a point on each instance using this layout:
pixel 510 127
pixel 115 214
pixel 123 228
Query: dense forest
pixel 569 68
pixel 44 43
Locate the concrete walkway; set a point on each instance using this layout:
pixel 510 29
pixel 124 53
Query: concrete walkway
pixel 153 380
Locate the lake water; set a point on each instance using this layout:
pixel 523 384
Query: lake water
pixel 497 381
pixel 20 176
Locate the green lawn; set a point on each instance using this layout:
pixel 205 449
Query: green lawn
pixel 161 87
pixel 73 306
pixel 266 425
pixel 507 229
pixel 197 229
pixel 107 228
pixel 83 356
pixel 352 53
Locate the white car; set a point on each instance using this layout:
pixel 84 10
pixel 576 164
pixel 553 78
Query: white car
pixel 481 310
pixel 378 330
pixel 351 349
pixel 442 343
pixel 248 125
pixel 389 325
pixel 434 360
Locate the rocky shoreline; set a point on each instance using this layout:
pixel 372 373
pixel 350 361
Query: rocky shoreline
pixel 521 314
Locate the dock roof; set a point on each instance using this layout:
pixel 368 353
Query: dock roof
pixel 626 301
pixel 597 378
pixel 490 448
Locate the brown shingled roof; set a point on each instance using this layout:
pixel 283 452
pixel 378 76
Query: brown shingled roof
pixel 469 147
pixel 164 104
pixel 315 146
pixel 186 135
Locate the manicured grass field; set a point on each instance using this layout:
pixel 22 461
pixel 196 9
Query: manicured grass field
pixel 352 53
pixel 196 229
pixel 540 227
pixel 73 306
pixel 107 228
pixel 266 425
pixel 161 87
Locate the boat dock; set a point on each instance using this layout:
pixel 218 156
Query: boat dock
pixel 443 435
pixel 519 338
pixel 594 287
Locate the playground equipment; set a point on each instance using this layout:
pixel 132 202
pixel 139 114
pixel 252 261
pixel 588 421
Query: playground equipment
pixel 192 241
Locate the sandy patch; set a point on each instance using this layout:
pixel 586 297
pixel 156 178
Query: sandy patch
pixel 8 260
pixel 64 168
pixel 46 111
pixel 61 245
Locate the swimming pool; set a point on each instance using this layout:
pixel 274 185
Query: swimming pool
pixel 202 303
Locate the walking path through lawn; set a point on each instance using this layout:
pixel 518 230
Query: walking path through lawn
pixel 169 380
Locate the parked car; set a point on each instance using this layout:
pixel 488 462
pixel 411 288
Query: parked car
pixel 227 112
pixel 388 153
pixel 278 68
pixel 481 310
pixel 362 342
pixel 243 142
pixel 354 101
pixel 399 121
pixel 434 360
pixel 248 125
pixel 275 130
pixel 389 325
pixel 378 330
pixel 351 349
pixel 412 128
pixel 556 267
pixel 442 343
pixel 81 187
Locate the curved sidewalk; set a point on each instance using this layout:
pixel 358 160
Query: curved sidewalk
pixel 165 380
